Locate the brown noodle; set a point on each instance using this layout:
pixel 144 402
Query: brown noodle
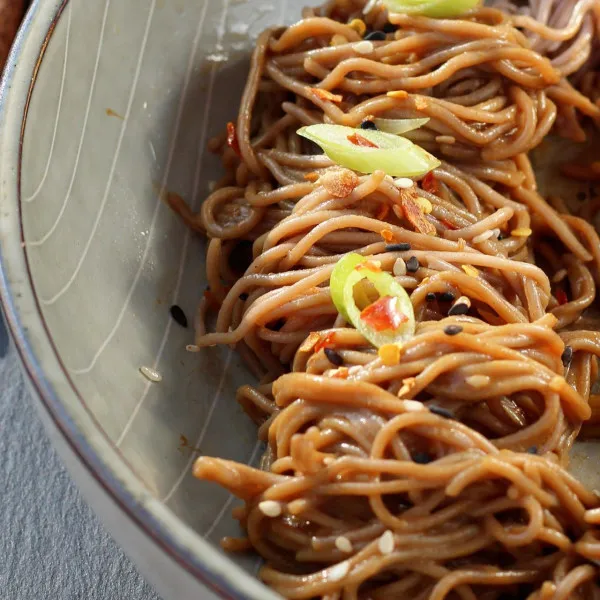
pixel 441 475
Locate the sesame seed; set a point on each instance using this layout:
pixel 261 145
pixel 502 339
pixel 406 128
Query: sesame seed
pixel 441 412
pixel 422 458
pixel 412 264
pixel 430 297
pixel 368 125
pixel 460 307
pixel 452 329
pixel 478 381
pixel 270 508
pixel 521 232
pixel 192 348
pixel 402 247
pixel 343 544
pixel 375 36
pixel 178 315
pixel 334 357
pixel 364 47
pixel 386 543
pixel 447 297
pixel 413 406
pixel 339 571
pixel 567 356
pixel 399 268
pixel 151 374
pixel 482 237
pixel 532 450
pixel 404 183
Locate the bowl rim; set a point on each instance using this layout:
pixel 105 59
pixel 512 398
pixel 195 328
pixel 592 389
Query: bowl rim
pixel 48 377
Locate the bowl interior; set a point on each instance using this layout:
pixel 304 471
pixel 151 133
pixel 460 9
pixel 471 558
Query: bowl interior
pixel 126 97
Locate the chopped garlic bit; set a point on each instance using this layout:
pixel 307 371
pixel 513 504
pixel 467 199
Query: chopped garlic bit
pixel 521 232
pixel 389 354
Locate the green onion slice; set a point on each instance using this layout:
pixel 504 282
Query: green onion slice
pixel 389 319
pixel 399 126
pixel 437 9
pixel 367 151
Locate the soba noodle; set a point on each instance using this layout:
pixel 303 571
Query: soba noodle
pixel 440 473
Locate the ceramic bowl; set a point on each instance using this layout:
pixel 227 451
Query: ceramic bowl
pixel 106 105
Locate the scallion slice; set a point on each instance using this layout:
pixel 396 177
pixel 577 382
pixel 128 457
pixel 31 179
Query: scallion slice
pixel 438 9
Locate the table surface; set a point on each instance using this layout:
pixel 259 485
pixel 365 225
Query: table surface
pixel 51 546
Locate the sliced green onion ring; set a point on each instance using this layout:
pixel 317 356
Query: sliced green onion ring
pixel 399 126
pixel 394 155
pixel 346 276
pixel 437 9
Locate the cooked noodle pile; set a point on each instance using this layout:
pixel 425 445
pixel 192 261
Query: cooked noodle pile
pixel 440 472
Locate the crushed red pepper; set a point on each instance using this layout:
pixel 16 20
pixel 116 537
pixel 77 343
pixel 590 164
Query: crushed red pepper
pixel 232 139
pixel 383 314
pixel 359 140
pixel 325 341
pixel 561 296
pixel 430 184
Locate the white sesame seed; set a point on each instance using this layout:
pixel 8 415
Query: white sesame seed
pixel 343 544
pixel 339 571
pixel 386 543
pixel 192 348
pixel 399 267
pixel 412 406
pixel 478 381
pixel 270 508
pixel 151 374
pixel 404 183
pixel 364 47
pixel 482 237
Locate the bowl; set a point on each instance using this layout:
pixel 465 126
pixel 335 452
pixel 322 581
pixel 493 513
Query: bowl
pixel 106 108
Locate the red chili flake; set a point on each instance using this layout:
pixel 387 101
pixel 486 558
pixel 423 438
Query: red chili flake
pixel 387 235
pixel 232 139
pixel 369 265
pixel 325 341
pixel 326 95
pixel 430 184
pixel 561 296
pixel 383 314
pixel 359 140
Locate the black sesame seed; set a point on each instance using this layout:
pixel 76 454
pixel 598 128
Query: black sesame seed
pixel 532 450
pixel 178 315
pixel 368 125
pixel 422 458
pixel 567 356
pixel 500 237
pixel 389 28
pixel 441 412
pixel 244 296
pixel 452 329
pixel 458 309
pixel 333 357
pixel 581 196
pixel 375 36
pixel 402 247
pixel 430 297
pixel 447 297
pixel 412 264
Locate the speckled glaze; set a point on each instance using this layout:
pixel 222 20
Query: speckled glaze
pixel 105 107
